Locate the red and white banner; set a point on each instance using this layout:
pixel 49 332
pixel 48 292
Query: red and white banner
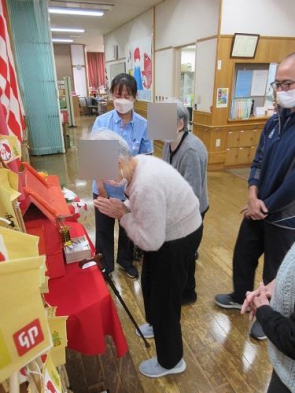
pixel 11 111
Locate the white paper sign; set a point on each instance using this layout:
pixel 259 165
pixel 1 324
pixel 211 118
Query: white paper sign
pixel 259 81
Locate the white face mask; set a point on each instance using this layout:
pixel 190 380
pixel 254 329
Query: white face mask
pixel 122 105
pixel 286 99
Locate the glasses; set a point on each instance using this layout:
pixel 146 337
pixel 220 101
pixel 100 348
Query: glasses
pixel 285 85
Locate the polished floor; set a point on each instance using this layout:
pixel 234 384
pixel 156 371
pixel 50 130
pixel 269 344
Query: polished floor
pixel 220 355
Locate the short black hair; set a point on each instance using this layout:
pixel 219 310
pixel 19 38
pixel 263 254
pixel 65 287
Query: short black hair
pixel 124 80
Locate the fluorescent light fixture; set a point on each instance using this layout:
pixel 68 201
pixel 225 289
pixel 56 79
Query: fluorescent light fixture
pixel 74 11
pixel 65 40
pixel 64 30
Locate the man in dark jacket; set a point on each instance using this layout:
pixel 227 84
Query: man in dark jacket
pixel 268 226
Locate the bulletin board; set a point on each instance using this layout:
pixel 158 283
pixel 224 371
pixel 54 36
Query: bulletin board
pixel 252 87
pixel 116 69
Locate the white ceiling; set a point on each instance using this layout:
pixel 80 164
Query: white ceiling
pixel 120 12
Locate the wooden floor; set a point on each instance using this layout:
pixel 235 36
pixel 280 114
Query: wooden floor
pixel 219 354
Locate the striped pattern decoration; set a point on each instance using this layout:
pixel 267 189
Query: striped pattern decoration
pixel 9 92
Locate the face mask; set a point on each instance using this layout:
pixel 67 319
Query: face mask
pixel 286 99
pixel 122 105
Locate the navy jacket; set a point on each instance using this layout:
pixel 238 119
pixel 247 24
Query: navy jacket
pixel 273 169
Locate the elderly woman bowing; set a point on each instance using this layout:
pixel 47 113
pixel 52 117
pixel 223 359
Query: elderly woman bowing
pixel 161 215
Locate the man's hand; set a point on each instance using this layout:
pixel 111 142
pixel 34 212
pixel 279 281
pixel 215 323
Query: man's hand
pixel 255 208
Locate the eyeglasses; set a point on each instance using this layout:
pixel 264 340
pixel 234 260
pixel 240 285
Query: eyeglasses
pixel 285 85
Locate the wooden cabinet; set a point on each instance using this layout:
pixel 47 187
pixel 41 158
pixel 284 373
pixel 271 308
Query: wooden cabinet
pixel 241 145
pixel 230 145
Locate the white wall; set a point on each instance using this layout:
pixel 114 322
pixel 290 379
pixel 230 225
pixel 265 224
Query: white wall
pixel 205 72
pixel 138 28
pixel 181 22
pixel 177 23
pixel 264 17
pixel 79 69
pixel 164 75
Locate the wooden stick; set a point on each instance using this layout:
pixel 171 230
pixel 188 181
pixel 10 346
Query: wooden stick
pixel 14 383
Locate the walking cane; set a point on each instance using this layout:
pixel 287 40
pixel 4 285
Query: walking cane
pixel 97 260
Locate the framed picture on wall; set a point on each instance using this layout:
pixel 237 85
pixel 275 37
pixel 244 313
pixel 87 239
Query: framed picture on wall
pixel 244 45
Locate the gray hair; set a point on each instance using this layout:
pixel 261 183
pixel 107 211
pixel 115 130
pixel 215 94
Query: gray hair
pixel 182 112
pixel 104 134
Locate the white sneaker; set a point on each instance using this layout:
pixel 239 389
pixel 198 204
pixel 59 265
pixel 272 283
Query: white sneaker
pixel 151 368
pixel 147 330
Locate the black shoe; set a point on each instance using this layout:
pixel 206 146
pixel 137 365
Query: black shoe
pixel 225 300
pixel 137 254
pixel 189 299
pixel 257 332
pixel 131 271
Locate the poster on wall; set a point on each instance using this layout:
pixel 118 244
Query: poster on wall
pixel 222 97
pixel 139 65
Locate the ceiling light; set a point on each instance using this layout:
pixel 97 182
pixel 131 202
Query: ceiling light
pixel 64 30
pixel 64 40
pixel 74 11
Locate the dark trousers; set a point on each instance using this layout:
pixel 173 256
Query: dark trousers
pixel 254 239
pixel 104 242
pixel 276 385
pixel 190 286
pixel 164 276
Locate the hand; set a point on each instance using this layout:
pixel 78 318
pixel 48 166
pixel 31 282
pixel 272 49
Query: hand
pixel 256 209
pixel 257 298
pixel 101 189
pixel 261 300
pixel 245 211
pixel 111 207
pixel 248 303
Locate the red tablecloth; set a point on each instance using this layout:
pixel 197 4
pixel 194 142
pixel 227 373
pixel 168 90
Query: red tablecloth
pixel 82 294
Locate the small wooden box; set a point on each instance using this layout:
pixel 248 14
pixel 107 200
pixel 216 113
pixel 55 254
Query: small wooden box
pixel 78 250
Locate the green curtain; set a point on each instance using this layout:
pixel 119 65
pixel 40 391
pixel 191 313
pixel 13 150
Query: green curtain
pixel 31 41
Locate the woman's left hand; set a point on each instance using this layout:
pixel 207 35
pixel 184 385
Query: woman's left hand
pixel 111 207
